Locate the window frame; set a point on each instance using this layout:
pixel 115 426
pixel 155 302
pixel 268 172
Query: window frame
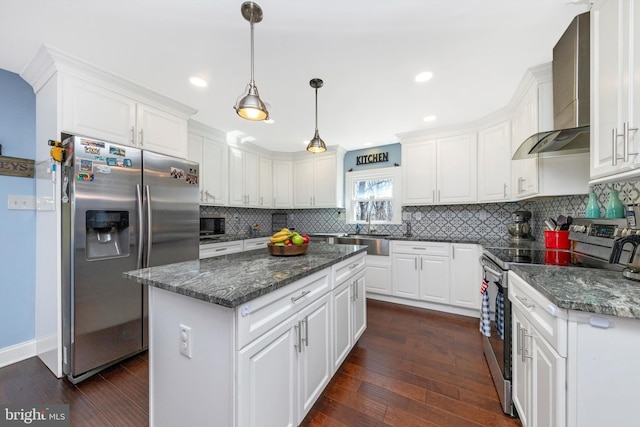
pixel 393 173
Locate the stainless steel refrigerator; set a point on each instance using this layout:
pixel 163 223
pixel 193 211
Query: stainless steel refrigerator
pixel 122 209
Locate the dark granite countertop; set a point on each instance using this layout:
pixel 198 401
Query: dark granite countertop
pixel 232 237
pixel 231 280
pixel 584 289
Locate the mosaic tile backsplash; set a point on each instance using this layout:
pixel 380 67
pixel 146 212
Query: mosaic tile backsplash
pixel 479 222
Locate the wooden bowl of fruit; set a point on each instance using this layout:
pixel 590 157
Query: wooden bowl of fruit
pixel 288 243
pixel 290 250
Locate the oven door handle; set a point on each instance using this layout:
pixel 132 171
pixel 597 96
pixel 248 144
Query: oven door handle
pixel 494 272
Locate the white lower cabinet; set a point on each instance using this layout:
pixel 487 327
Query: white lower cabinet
pixel 571 368
pixel 378 274
pixel 436 275
pixel 466 274
pixel 209 250
pixel 539 368
pixel 268 377
pixel 349 312
pixel 282 373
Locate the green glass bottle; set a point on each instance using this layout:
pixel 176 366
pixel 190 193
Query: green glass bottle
pixel 615 209
pixel 593 207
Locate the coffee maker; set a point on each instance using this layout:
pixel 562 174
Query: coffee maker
pixel 520 229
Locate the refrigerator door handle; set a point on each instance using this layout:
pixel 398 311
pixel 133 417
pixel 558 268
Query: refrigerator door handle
pixel 149 233
pixel 140 229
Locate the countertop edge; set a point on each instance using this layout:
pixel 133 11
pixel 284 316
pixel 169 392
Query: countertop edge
pixel 232 303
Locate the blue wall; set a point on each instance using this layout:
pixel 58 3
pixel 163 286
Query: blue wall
pixel 17 227
pixel 394 150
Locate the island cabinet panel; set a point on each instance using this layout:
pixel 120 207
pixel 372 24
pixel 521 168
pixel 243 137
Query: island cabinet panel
pixel 200 385
pixel 267 378
pixel 257 317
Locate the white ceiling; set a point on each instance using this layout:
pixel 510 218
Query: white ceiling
pixel 367 53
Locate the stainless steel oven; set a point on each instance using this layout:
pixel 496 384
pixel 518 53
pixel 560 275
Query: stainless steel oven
pixel 497 346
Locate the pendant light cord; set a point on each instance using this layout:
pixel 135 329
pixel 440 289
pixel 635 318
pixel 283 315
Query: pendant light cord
pixel 252 81
pixel 316 110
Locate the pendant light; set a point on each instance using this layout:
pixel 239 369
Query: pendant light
pixel 316 145
pixel 249 105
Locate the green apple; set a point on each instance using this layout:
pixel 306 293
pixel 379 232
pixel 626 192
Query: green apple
pixel 297 239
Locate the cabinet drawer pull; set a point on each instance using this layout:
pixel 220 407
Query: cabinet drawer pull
pixel 298 346
pixel 419 249
pixel 352 266
pixel 525 302
pixel 302 295
pixel 504 191
pixel 141 136
pixel 305 321
pixel 221 249
pixel 133 132
pixel 625 137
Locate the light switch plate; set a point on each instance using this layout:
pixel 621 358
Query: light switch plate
pixel 27 203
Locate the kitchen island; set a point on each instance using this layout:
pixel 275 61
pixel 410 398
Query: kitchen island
pixel 250 339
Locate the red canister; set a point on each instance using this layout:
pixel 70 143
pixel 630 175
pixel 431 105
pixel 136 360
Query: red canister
pixel 556 239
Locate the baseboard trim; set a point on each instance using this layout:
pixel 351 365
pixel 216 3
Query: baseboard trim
pixel 426 304
pixel 16 353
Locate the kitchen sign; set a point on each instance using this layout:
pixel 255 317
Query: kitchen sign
pixel 14 166
pixel 372 158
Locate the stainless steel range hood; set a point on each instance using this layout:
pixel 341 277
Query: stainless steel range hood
pixel 571 97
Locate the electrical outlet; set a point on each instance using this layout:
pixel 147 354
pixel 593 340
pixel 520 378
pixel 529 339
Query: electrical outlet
pixel 185 341
pixel 27 203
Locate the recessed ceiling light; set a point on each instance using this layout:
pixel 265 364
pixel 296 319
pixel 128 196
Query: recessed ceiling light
pixel 424 76
pixel 269 121
pixel 366 144
pixel 429 118
pixel 197 81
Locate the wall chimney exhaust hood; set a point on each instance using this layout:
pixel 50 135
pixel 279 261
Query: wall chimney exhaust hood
pixel 571 97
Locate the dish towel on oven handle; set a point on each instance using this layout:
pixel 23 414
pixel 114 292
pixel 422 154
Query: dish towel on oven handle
pixel 485 310
pixel 500 314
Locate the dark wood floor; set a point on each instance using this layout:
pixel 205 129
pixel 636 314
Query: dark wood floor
pixel 412 367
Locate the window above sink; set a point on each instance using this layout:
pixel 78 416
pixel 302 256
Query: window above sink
pixel 373 197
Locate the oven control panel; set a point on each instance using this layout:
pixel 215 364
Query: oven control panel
pixel 599 231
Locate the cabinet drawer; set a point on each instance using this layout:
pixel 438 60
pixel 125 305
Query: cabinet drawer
pixel 348 268
pixel 256 317
pixel 259 243
pixel 217 249
pixel 428 248
pixel 549 320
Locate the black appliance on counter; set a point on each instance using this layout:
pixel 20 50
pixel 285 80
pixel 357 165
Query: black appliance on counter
pixel 591 240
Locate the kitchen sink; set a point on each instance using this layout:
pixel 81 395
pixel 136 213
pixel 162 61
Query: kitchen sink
pixel 377 244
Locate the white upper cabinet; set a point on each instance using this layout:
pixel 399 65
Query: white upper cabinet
pixel 318 180
pixel 441 170
pixel 419 173
pixel 98 111
pixel 243 178
pixel 533 114
pixel 282 184
pixel 615 91
pixel 265 185
pixel 494 163
pixel 206 147
pixel 457 169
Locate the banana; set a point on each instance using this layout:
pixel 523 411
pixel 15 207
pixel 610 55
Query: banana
pixel 281 235
pixel 281 238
